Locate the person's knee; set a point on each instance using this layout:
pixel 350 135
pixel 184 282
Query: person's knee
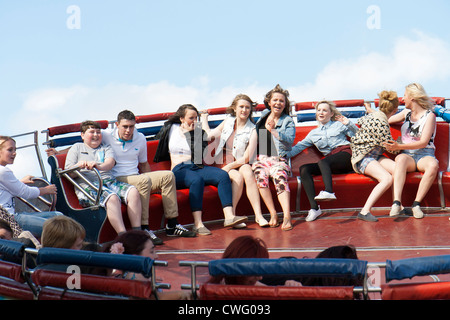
pixel 401 160
pixel 387 180
pixel 304 171
pixel 141 181
pixel 237 178
pixel 196 182
pixel 133 195
pixel 113 201
pixel 433 168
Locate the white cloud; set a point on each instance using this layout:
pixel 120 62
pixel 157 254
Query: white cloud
pixel 56 106
pixel 422 59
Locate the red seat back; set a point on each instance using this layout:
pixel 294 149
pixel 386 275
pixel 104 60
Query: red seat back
pixel 91 283
pixel 241 292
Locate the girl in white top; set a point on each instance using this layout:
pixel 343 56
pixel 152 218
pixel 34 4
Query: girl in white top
pixel 417 145
pixel 11 187
pixel 236 141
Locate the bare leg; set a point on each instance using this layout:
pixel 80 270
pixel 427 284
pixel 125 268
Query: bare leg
pixel 134 207
pixel 403 165
pixel 114 213
pixel 384 178
pixel 284 199
pixel 430 167
pixel 252 193
pixel 237 186
pixel 266 195
pixel 198 223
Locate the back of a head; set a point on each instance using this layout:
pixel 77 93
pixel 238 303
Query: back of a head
pixel 61 232
pixel 339 252
pixel 246 247
pixel 388 101
pixel 133 241
pixel 242 247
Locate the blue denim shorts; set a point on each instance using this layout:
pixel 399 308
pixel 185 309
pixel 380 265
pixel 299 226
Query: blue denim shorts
pixel 419 153
pixel 374 155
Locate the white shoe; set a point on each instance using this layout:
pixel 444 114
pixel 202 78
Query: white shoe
pixel 234 221
pixel 325 196
pixel 417 212
pixel 395 210
pixel 313 214
pixel 262 222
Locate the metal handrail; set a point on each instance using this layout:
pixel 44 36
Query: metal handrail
pixel 48 203
pixel 66 174
pixel 35 144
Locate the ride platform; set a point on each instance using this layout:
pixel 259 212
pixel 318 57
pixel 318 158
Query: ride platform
pixel 391 238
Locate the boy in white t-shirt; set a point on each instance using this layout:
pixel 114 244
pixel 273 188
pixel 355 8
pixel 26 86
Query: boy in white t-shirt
pixel 130 150
pixel 90 154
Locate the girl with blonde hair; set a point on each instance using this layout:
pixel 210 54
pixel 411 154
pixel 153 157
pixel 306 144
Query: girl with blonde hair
pixel 11 187
pixel 417 146
pixel 330 138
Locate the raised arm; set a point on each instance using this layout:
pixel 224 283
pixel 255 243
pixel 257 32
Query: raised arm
pixel 214 133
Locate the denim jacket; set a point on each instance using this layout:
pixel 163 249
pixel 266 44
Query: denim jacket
pixel 285 128
pixel 325 137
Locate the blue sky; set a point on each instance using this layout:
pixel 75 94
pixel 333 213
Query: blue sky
pixel 151 56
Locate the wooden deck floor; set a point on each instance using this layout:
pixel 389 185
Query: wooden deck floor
pixel 389 238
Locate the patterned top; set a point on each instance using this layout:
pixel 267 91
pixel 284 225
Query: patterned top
pixel 412 131
pixel 374 130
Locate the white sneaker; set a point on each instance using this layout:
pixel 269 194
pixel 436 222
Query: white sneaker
pixel 313 214
pixel 395 210
pixel 325 196
pixel 417 212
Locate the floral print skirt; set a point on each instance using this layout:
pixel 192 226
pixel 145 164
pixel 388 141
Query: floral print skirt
pixel 275 167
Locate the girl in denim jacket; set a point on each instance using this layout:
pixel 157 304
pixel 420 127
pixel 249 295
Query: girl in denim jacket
pixel 276 133
pixel 330 138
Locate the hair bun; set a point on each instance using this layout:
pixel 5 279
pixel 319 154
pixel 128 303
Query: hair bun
pixel 388 95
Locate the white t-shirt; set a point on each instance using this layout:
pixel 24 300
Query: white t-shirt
pixel 128 154
pixel 177 141
pixel 11 187
pixel 412 131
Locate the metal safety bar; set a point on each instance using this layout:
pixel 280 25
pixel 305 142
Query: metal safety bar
pixel 49 203
pixel 76 170
pixel 35 145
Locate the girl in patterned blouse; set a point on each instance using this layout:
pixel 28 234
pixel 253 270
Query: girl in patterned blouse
pixel 368 148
